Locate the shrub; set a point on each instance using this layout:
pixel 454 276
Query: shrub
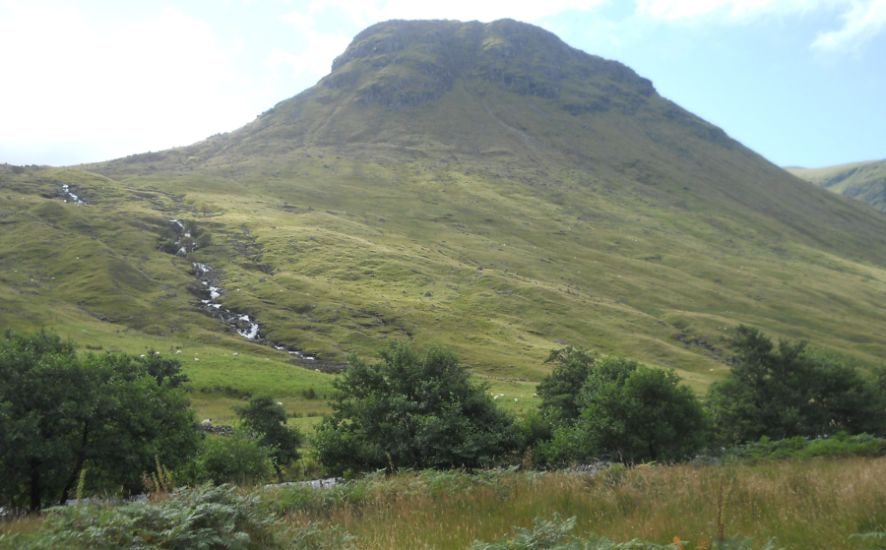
pixel 555 534
pixel 266 421
pixel 839 445
pixel 786 391
pixel 635 414
pixel 203 517
pixel 559 390
pixel 628 413
pixel 230 459
pixel 873 540
pixel 61 414
pixel 412 410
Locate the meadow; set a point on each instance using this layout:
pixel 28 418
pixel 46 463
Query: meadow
pixel 796 504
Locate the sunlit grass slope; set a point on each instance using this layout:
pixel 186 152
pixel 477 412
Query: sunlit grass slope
pixel 94 274
pixel 865 181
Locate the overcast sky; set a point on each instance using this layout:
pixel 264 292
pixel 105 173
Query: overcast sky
pixel 803 82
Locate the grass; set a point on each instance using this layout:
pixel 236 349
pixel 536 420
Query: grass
pixel 471 261
pixel 802 504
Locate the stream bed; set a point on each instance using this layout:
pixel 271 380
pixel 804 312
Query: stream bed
pixel 243 323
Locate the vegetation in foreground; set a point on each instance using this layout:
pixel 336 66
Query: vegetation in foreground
pixel 418 409
pixel 811 504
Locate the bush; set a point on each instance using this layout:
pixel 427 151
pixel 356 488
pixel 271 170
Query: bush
pixel 266 421
pixel 839 445
pixel 628 413
pixel 203 517
pixel 785 391
pixel 230 459
pixel 555 534
pixel 635 414
pixel 559 390
pixel 61 414
pixel 412 410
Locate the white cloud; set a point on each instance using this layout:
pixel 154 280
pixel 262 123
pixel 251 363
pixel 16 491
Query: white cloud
pixel 315 57
pixel 862 19
pixel 373 11
pixel 84 83
pixel 735 10
pixel 860 23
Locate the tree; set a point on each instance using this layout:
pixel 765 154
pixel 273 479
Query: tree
pixel 786 391
pixel 559 391
pixel 629 413
pixel 266 420
pixel 61 414
pixel 235 458
pixel 635 414
pixel 166 371
pixel 412 410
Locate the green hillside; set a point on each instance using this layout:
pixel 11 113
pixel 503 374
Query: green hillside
pixel 864 181
pixel 481 186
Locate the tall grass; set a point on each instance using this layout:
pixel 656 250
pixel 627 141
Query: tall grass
pixel 811 504
pixel 808 505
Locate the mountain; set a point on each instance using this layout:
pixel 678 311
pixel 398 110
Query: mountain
pixel 481 186
pixel 864 181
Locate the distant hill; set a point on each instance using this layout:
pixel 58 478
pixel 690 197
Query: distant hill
pixel 481 186
pixel 864 181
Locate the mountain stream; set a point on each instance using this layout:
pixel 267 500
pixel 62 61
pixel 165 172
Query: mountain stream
pixel 245 325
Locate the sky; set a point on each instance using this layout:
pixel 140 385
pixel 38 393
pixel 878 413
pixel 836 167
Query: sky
pixel 802 82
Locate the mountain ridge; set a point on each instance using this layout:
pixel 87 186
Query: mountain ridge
pixel 864 181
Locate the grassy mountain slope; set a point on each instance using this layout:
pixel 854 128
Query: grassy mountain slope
pixel 94 274
pixel 485 187
pixel 865 181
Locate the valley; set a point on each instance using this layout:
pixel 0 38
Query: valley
pixel 499 288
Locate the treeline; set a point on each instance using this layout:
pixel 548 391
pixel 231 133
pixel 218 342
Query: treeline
pixel 617 409
pixel 115 424
pixel 419 409
pixel 75 424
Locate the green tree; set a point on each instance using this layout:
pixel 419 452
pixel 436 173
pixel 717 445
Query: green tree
pixel 783 391
pixel 166 371
pixel 559 390
pixel 235 458
pixel 635 414
pixel 412 410
pixel 266 420
pixel 630 413
pixel 61 414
